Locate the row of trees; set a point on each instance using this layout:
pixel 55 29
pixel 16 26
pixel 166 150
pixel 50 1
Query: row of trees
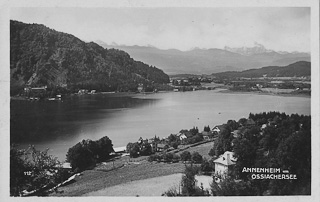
pixel 185 156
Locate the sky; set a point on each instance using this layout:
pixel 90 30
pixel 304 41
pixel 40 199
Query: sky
pixel 277 28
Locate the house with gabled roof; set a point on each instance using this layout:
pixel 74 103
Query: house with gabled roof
pixel 236 133
pixel 250 122
pixel 217 129
pixel 225 163
pixel 207 135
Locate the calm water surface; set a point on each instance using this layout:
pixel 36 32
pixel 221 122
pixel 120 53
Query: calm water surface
pixel 60 125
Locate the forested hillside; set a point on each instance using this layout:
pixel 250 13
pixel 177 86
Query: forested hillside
pixel 42 56
pixel 298 69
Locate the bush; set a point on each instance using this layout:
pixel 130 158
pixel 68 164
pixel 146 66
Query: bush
pixel 167 157
pixel 175 158
pixel 185 156
pixel 207 167
pixel 171 192
pixel 154 157
pixel 133 149
pixel 196 157
pixel 175 145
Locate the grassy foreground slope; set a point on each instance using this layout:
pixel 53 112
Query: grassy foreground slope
pixel 94 180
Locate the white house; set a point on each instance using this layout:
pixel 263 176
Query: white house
pixel 182 137
pixel 216 129
pixel 225 163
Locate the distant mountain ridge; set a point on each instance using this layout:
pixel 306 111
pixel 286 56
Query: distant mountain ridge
pixel 207 61
pixel 298 69
pixel 260 49
pixel 42 56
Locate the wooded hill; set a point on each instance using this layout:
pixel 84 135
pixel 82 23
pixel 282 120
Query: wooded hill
pixel 301 68
pixel 42 56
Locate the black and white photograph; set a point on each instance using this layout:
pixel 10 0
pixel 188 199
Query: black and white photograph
pixel 149 99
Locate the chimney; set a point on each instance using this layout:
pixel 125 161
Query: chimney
pixel 228 158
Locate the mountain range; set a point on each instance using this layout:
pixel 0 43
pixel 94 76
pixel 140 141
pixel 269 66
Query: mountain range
pixel 297 69
pixel 42 56
pixel 208 61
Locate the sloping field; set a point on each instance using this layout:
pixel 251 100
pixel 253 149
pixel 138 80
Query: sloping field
pixel 93 180
pixel 202 149
pixel 148 187
pixel 134 170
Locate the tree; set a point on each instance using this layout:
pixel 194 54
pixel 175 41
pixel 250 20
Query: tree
pixel 80 158
pixel 206 129
pixel 17 169
pixel 207 166
pixel 32 170
pixel 87 153
pixel 105 147
pixel 146 149
pixel 167 157
pixel 175 145
pixel 212 152
pixel 242 121
pixel 228 186
pixel 194 130
pixel 185 156
pixel 233 124
pixel 188 182
pixel 196 157
pixel 134 150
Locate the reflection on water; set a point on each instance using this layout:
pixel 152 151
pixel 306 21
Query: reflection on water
pixel 60 125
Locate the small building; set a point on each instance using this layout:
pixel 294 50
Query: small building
pixel 66 165
pixel 217 129
pixel 140 141
pixel 236 133
pixel 225 163
pixel 82 91
pixel 161 147
pixel 120 149
pixel 182 137
pixel 207 135
pixel 250 122
pixel 140 88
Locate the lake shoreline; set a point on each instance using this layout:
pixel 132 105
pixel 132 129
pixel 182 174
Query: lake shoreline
pixel 227 91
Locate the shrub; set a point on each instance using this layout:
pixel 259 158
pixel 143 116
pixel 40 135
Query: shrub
pixel 207 166
pixel 196 157
pixel 153 157
pixel 167 157
pixel 175 158
pixel 185 156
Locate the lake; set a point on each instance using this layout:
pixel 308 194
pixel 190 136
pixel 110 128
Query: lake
pixel 126 117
